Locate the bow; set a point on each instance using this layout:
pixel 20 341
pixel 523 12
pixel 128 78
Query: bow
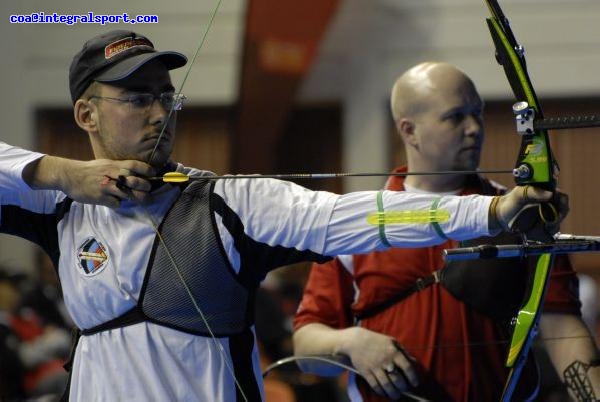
pixel 535 166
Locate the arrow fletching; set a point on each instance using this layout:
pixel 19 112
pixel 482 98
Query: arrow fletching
pixel 173 177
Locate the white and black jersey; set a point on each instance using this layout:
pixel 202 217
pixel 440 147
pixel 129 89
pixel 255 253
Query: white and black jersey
pixel 103 256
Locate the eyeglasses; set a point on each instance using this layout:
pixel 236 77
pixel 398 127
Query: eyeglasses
pixel 143 101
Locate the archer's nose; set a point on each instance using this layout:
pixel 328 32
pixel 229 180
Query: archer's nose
pixel 158 113
pixel 474 125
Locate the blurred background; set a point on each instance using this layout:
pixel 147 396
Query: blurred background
pixel 284 86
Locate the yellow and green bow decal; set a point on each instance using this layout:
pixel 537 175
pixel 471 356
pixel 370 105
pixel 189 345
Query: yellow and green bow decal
pixel 536 167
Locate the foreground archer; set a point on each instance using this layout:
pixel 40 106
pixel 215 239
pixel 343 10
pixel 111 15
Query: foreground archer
pixel 160 279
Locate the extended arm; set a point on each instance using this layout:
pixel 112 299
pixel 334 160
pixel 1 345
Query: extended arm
pixel 468 217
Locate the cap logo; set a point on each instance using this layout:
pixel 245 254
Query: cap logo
pixel 113 49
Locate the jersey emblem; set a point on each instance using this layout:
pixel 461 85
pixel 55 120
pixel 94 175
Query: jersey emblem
pixel 92 257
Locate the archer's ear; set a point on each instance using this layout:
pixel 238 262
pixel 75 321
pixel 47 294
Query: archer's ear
pixel 86 115
pixel 406 130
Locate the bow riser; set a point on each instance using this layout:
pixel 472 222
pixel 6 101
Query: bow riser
pixel 535 166
pixel 535 152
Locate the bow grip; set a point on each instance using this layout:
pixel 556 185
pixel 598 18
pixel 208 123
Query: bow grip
pixel 538 222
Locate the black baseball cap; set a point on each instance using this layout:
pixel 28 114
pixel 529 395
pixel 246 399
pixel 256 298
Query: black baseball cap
pixel 113 56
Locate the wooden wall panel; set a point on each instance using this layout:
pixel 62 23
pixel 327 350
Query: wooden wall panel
pixel 203 139
pixel 312 142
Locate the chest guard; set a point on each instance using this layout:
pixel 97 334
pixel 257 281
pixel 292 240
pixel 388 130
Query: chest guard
pixel 191 252
pixel 189 283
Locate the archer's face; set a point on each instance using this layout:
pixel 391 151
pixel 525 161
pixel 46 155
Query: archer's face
pixel 129 131
pixel 450 128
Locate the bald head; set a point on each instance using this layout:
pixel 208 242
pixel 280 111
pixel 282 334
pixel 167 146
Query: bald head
pixel 439 116
pixel 413 91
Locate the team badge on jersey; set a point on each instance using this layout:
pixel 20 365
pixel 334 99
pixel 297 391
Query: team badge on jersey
pixel 92 257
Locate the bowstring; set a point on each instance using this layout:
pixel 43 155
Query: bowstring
pixel 187 73
pixel 155 226
pixel 171 258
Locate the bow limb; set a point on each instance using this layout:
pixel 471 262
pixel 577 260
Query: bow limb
pixel 535 166
pixel 187 73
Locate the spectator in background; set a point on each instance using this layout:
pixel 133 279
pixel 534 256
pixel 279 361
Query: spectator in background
pixel 43 295
pixel 276 303
pixel 12 370
pixel 35 352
